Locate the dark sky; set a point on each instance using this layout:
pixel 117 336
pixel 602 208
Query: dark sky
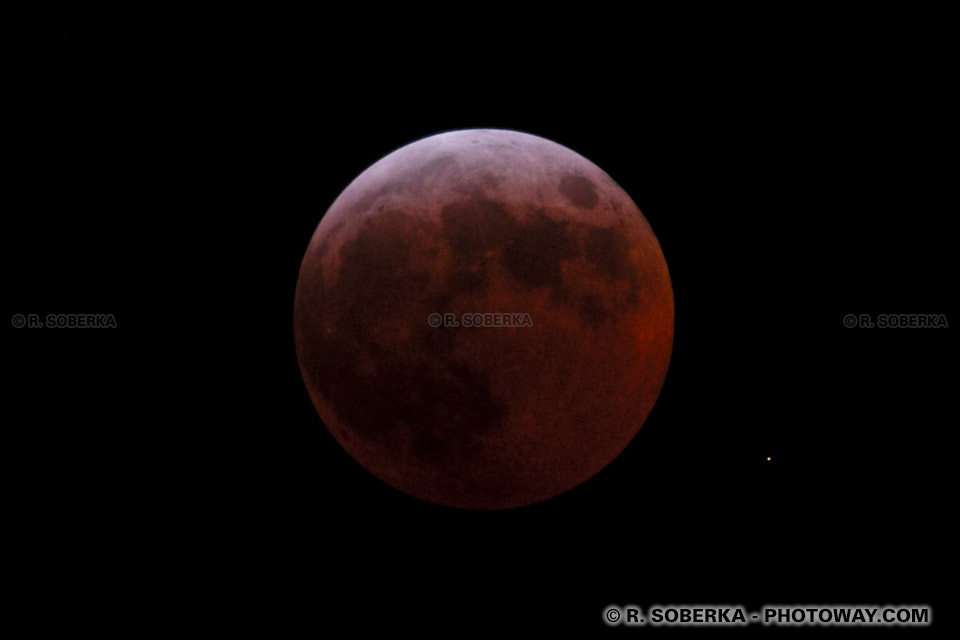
pixel 173 177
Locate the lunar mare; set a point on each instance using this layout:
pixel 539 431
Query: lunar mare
pixel 483 221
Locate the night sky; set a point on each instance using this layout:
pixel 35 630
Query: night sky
pixel 174 466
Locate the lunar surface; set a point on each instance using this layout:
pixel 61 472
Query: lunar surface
pixel 508 225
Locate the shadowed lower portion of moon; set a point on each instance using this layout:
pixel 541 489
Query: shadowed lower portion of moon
pixel 483 221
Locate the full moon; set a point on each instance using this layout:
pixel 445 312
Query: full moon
pixel 483 319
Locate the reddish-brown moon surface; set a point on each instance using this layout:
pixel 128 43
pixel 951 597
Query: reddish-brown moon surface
pixel 483 222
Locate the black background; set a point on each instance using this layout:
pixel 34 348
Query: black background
pixel 173 468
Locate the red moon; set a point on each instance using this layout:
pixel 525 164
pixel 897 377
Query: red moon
pixel 477 225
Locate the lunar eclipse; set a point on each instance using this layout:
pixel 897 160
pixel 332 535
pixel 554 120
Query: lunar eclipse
pixel 483 222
